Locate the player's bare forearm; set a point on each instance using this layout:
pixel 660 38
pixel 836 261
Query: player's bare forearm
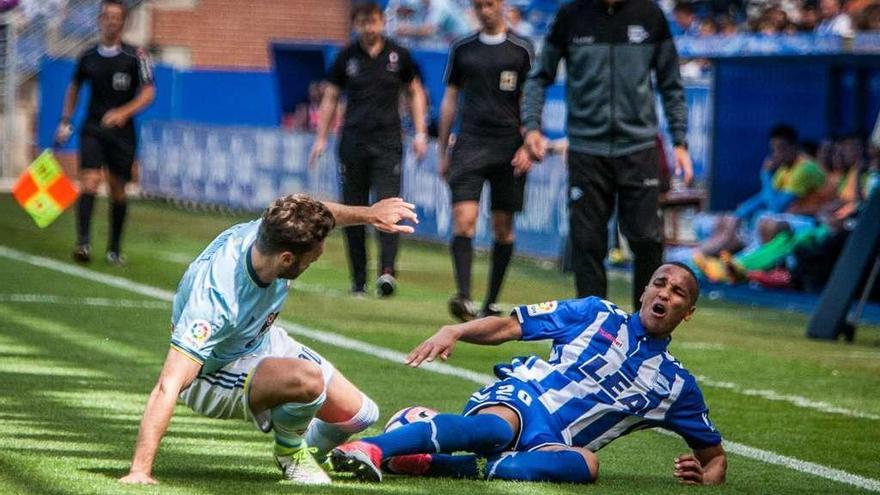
pixel 178 371
pixel 386 215
pixel 348 215
pixel 157 417
pixel 492 330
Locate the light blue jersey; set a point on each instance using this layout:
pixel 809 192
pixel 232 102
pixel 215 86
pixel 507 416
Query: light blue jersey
pixel 606 376
pixel 221 311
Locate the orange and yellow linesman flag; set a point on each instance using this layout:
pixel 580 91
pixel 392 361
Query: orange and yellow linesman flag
pixel 43 190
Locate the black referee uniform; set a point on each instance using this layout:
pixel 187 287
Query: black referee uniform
pixel 370 147
pixel 115 76
pixel 489 71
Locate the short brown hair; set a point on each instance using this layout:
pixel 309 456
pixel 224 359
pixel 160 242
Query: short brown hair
pixel 365 9
pixel 118 3
pixel 295 223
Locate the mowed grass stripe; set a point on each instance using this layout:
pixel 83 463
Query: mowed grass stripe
pixel 751 452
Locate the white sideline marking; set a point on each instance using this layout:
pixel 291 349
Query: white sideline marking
pixel 83 301
pixel 791 399
pixel 795 464
pixel 388 354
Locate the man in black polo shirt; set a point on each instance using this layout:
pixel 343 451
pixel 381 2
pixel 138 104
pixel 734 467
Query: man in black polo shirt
pixel 487 69
pixel 121 79
pixel 372 71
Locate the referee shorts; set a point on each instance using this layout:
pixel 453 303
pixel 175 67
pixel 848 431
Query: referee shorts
pixel 223 394
pixel 114 150
pixel 477 159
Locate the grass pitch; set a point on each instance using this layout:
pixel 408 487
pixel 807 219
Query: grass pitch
pixel 78 359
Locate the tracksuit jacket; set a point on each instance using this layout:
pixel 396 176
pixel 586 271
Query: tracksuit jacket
pixel 610 52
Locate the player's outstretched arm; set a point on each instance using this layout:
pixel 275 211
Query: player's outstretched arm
pixel 706 466
pixel 492 330
pixel 384 215
pixel 178 372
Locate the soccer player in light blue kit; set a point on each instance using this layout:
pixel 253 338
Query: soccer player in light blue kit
pixel 608 374
pixel 228 360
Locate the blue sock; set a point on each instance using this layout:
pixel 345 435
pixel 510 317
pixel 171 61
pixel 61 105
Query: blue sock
pixel 446 433
pixel 454 466
pixel 560 466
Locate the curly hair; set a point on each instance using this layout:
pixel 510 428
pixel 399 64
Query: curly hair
pixel 295 223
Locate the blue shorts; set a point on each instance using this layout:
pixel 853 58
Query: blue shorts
pixel 537 427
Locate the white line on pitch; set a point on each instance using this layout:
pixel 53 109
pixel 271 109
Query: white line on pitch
pixel 391 355
pixel 84 301
pixel 791 399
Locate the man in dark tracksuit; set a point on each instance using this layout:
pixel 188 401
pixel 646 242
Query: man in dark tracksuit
pixel 372 71
pixel 611 49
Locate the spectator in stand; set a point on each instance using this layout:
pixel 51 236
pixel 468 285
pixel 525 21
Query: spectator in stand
pixel 727 26
pixel 809 18
pixel 789 178
pixel 428 20
pixel 307 115
pixel 848 184
pixel 517 23
pixel 685 22
pixel 869 19
pixel 834 21
pixel 708 27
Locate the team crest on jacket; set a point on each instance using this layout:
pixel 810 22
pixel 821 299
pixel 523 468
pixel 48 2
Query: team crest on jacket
pixel 636 34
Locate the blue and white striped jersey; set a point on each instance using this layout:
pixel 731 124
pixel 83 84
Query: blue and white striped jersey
pixel 606 377
pixel 221 310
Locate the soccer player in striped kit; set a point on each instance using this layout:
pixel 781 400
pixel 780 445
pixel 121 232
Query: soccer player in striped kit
pixel 609 373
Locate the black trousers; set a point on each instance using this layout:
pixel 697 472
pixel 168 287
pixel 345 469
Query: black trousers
pixel 369 163
pixel 593 183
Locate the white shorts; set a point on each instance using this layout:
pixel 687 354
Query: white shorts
pixel 223 394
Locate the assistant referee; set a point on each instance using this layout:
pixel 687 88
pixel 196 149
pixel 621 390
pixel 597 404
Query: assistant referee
pixel 486 70
pixel 121 80
pixel 373 71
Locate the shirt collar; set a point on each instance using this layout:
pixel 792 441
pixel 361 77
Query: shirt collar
pixel 109 51
pixel 493 39
pixel 252 273
pixel 634 323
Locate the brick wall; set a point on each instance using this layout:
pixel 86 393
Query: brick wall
pixel 236 33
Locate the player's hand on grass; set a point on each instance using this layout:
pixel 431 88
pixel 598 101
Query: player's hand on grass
pixel 114 118
pixel 135 478
pixel 440 344
pixel 536 145
pixel 521 162
pixel 688 470
pixel 387 214
pixel 318 148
